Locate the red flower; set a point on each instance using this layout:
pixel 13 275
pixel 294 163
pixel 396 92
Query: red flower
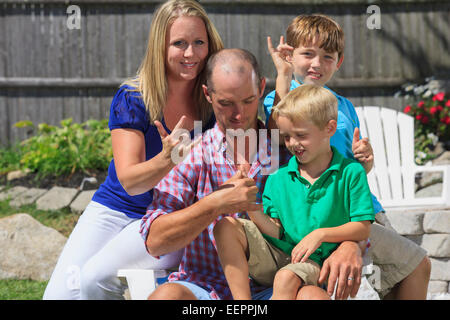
pixel 425 119
pixel 446 120
pixel 439 96
pixel 421 104
pixel 447 104
pixel 419 117
pixel 407 109
pixel 433 110
pixel 440 108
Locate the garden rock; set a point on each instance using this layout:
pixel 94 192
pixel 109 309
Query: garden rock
pixel 18 174
pixel 12 193
pixel 434 190
pixel 28 249
pixel 440 269
pixel 437 286
pixel 437 222
pixel 406 222
pixel 437 245
pixel 82 200
pixel 56 199
pixel 27 197
pixel 444 158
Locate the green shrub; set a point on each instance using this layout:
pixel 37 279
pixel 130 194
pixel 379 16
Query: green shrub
pixel 9 159
pixel 66 149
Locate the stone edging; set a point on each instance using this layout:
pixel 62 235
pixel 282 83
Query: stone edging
pixel 56 198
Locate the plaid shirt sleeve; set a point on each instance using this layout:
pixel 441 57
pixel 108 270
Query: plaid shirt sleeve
pixel 176 191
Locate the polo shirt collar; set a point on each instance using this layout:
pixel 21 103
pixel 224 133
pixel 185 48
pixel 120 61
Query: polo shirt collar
pixel 335 164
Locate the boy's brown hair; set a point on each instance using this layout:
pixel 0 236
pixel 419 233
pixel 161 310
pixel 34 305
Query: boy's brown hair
pixel 308 102
pixel 303 29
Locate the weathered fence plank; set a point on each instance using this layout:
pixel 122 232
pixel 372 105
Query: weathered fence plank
pixel 48 72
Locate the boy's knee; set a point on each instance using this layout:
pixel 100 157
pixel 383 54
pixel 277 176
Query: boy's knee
pixel 172 291
pixel 286 277
pixel 225 226
pixel 312 293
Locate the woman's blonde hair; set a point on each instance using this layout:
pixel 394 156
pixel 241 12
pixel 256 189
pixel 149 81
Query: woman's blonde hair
pixel 151 79
pixel 308 103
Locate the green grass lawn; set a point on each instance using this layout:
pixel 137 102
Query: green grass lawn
pixel 22 289
pixel 61 220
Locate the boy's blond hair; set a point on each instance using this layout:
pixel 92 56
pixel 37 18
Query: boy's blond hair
pixel 303 29
pixel 308 103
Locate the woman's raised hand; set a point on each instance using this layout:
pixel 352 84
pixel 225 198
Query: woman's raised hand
pixel 176 145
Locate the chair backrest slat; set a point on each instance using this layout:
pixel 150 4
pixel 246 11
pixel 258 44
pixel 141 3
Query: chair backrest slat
pixel 391 138
pixel 375 133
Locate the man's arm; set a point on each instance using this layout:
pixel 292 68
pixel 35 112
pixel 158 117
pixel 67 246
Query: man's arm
pixel 172 231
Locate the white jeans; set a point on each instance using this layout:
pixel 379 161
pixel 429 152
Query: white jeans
pixel 102 242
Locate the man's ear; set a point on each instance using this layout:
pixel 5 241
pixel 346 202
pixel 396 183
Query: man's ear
pixel 341 59
pixel 262 86
pixel 331 127
pixel 206 93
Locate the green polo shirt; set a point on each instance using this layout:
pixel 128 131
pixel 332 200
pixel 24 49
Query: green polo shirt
pixel 340 195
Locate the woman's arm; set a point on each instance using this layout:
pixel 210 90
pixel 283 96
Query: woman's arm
pixel 134 173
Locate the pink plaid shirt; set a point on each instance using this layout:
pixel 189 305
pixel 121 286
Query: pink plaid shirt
pixel 202 172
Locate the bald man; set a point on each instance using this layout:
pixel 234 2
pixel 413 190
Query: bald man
pixel 227 180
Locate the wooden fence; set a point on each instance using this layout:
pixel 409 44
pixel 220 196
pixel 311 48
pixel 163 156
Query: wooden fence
pixel 49 72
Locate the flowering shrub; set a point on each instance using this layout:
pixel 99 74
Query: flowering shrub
pixel 430 107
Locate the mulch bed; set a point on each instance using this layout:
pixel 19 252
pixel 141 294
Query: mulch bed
pixel 31 180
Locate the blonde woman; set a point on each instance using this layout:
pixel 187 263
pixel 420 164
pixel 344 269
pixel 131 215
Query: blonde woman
pixel 165 95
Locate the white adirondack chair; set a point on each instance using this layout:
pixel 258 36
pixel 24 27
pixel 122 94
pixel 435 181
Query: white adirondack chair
pixel 392 178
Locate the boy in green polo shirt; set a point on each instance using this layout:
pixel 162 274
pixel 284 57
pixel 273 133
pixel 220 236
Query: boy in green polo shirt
pixel 313 203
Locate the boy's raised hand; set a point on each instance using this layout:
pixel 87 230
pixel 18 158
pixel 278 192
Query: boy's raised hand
pixel 362 150
pixel 279 55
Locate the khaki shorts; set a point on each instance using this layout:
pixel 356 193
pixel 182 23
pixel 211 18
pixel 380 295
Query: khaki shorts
pixel 394 255
pixel 265 260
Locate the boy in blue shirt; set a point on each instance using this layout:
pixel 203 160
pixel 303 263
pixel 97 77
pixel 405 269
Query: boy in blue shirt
pixel 312 53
